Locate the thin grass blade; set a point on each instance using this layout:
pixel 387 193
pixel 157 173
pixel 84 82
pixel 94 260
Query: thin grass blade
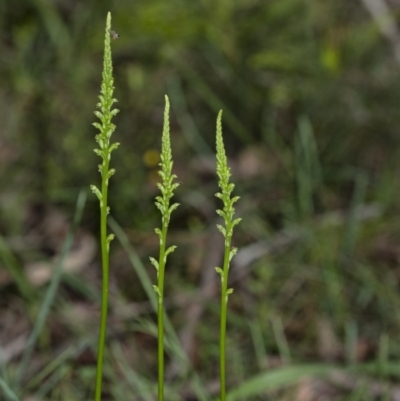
pixel 51 291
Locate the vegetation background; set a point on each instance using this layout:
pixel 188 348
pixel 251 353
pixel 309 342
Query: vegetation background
pixel 311 94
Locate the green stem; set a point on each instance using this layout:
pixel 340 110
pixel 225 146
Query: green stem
pixel 160 313
pixel 224 307
pixel 160 352
pixel 105 279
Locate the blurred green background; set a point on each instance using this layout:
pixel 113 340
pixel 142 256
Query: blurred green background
pixel 310 91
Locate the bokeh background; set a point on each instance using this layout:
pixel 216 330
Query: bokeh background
pixel 310 91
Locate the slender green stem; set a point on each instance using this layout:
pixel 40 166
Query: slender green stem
pixel 105 280
pixel 160 313
pixel 224 309
pixel 160 352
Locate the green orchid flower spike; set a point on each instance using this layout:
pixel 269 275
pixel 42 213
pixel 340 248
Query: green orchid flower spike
pixel 105 113
pixel 167 188
pixel 227 213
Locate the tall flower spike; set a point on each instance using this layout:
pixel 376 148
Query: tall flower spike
pixel 167 187
pixel 105 113
pixel 227 213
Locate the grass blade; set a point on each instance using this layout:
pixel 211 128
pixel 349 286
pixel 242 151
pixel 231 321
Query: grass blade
pixel 51 291
pixel 7 391
pixel 276 379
